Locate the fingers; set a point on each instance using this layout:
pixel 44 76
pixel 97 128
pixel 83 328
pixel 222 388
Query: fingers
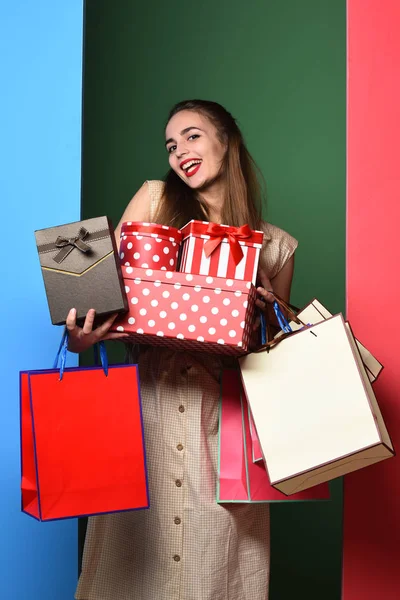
pixel 110 319
pixel 115 336
pixel 87 336
pixel 266 291
pixel 261 304
pixel 71 320
pixel 102 329
pixel 89 320
pixel 266 295
pixel 257 322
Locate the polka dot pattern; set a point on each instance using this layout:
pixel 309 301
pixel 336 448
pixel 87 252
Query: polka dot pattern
pixel 167 306
pixel 148 245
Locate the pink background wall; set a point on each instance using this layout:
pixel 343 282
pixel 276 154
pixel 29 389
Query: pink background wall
pixel 372 496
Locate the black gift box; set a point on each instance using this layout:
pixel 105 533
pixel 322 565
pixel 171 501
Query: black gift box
pixel 81 269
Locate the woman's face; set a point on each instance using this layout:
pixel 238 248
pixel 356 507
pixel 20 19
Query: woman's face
pixel 195 150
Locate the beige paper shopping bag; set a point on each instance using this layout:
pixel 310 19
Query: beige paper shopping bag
pixel 314 408
pixel 314 313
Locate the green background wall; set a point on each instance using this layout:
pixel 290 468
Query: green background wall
pixel 280 67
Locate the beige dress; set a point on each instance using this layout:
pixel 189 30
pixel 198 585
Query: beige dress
pixel 186 546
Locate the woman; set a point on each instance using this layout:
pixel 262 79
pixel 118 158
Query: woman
pixel 186 546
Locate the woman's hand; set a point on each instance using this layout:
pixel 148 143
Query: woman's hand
pixel 265 291
pixel 82 338
pixel 265 299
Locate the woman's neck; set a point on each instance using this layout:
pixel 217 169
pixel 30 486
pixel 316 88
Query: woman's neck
pixel 213 198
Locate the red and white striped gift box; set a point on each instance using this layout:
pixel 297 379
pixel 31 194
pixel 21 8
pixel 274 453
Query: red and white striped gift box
pixel 235 251
pixel 149 245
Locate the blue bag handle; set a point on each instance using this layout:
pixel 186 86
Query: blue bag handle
pixel 263 323
pixel 63 349
pixel 282 321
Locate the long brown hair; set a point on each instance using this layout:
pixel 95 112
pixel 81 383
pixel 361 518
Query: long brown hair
pixel 242 202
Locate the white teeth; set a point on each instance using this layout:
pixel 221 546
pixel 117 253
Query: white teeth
pixel 190 164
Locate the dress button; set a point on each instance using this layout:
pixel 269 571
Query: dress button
pixel 179 447
pixel 178 483
pixel 177 521
pixel 181 408
pixel 177 558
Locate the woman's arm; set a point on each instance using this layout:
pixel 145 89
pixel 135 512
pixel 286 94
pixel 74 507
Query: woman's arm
pixel 281 285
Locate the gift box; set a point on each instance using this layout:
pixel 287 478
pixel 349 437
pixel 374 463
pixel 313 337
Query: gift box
pixel 82 442
pixel 149 245
pixel 185 311
pixel 239 479
pixel 220 250
pixel 314 313
pixel 314 408
pixel 81 269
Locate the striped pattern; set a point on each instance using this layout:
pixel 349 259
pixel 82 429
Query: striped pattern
pixel 220 262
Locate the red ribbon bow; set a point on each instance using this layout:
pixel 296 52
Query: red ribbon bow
pixel 217 233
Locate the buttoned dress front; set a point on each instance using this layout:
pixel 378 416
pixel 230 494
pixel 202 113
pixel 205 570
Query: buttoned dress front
pixel 185 546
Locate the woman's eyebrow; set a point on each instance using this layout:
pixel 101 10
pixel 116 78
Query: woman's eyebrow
pixel 183 133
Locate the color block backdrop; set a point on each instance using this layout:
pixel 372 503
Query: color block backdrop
pixel 372 524
pixel 280 68
pixel 40 112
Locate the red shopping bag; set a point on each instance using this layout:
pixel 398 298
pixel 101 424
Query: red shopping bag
pixel 239 478
pixel 82 445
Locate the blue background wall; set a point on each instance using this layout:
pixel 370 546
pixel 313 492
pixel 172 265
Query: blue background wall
pixel 40 165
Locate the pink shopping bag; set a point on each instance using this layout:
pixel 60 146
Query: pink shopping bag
pixel 256 452
pixel 239 478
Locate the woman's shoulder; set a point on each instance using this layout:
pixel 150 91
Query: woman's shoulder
pixel 272 233
pixel 278 247
pixel 155 188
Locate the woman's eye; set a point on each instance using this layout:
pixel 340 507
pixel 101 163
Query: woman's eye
pixel 171 149
pixel 194 136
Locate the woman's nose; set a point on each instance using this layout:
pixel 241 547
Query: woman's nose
pixel 181 149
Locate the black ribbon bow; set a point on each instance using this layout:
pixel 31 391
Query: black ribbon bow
pixel 68 244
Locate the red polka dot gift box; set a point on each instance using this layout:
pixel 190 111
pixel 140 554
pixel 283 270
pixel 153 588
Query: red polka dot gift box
pixel 220 250
pixel 185 311
pixel 149 246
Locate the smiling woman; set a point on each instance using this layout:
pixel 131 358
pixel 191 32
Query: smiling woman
pixel 186 546
pixel 212 174
pixel 195 148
